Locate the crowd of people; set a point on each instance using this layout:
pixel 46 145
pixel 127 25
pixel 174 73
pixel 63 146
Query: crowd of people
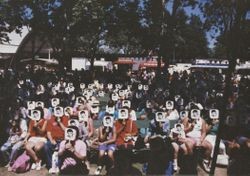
pixel 51 119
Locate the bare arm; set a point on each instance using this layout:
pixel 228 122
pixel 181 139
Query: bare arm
pixel 91 128
pixel 187 127
pixel 44 126
pixel 101 136
pixel 203 130
pixel 62 126
pixel 79 156
pixel 50 138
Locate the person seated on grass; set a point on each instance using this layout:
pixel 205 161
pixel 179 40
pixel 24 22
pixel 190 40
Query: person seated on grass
pixel 158 126
pixel 109 110
pixel 106 142
pixel 72 153
pixel 209 141
pixel 36 137
pixel 19 142
pixel 13 140
pixel 178 137
pixel 126 130
pixel 55 133
pixel 195 129
pixel 132 113
pixel 147 111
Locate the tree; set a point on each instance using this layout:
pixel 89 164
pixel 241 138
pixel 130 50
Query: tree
pixel 192 42
pixel 230 18
pixel 124 26
pixel 161 26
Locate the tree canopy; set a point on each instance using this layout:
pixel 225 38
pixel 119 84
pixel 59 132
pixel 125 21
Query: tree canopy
pixel 130 27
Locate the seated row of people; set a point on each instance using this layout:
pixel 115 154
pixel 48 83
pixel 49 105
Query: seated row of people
pixel 48 134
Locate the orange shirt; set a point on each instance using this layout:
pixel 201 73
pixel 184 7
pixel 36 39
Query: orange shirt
pixel 33 131
pixel 57 132
pixel 130 127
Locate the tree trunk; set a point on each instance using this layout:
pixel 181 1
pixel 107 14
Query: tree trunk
pixel 92 69
pixel 234 50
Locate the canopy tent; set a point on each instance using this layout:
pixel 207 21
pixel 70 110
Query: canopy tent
pixel 43 60
pixel 124 61
pixel 210 66
pixel 101 63
pixel 151 64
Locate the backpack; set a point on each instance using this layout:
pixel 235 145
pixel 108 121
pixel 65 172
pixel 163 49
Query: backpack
pixel 22 163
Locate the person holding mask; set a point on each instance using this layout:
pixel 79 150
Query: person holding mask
pixel 36 137
pixel 158 126
pixel 72 153
pixel 55 133
pixel 126 129
pixel 195 129
pixel 14 132
pixel 178 136
pixel 106 142
pixel 209 141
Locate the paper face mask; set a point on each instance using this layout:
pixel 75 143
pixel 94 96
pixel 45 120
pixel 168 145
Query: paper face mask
pixel 40 104
pixel 35 115
pixel 70 134
pixel 67 90
pixel 55 102
pixel 183 114
pixel 101 94
pixel 140 87
pixel 108 121
pixel 58 111
pixel 118 86
pixel 83 115
pixel 82 86
pixel 31 105
pixel 73 122
pixel 121 93
pixel 129 87
pixel 160 117
pixel 126 103
pixel 90 92
pixel 80 100
pixel 114 96
pixel 110 110
pixel 122 114
pixel 90 86
pixel 179 127
pixel 110 86
pixel 169 105
pixel 94 109
pixel 214 113
pixel 145 87
pixel 70 84
pixel 195 114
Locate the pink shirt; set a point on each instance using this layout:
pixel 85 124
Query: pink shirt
pixel 80 147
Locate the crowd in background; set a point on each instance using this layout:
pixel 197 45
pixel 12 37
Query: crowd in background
pixel 43 109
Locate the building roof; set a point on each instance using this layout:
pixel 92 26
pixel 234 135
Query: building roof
pixel 15 40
